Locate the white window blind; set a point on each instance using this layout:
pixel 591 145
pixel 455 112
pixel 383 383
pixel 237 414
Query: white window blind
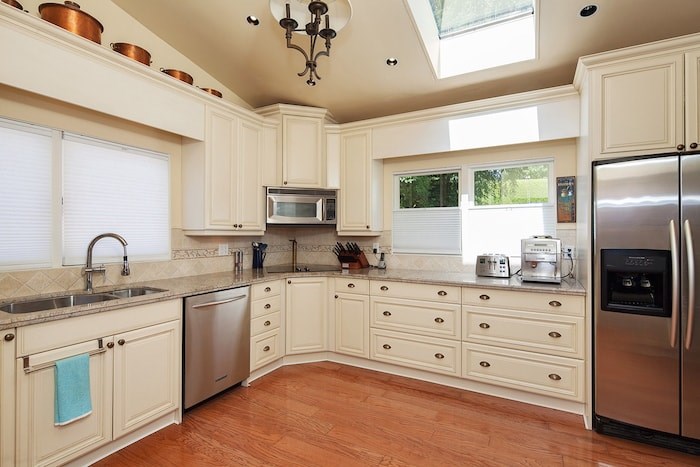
pixel 428 231
pixel 113 188
pixel 26 196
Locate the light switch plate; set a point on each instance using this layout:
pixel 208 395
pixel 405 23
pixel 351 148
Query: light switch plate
pixel 223 249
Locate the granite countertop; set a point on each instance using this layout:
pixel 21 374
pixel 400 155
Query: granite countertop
pixel 193 285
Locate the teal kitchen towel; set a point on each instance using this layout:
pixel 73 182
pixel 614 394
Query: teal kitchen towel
pixel 72 395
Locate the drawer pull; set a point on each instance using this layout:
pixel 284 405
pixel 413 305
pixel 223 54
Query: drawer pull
pixel 554 377
pixel 121 342
pixel 442 293
pixel 266 348
pixel 267 323
pixel 387 313
pixel 439 320
pixel 384 288
pixel 267 306
pixel 439 356
pixel 9 337
pixel 554 334
pixel 484 325
pixel 110 345
pixel 485 364
pixel 336 295
pixel 289 282
pixel 386 346
pixel 484 297
pixel 351 285
pixel 555 303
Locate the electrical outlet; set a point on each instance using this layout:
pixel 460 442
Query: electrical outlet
pixel 375 248
pixel 568 252
pixel 223 249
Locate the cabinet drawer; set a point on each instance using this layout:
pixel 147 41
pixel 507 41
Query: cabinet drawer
pixel 426 318
pixel 266 305
pixel 520 300
pixel 265 289
pixel 559 335
pixel 264 349
pixel 552 376
pixel 265 323
pixel 434 293
pixel 423 353
pixel 351 285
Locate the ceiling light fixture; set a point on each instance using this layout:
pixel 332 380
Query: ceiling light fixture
pixel 252 20
pixel 321 12
pixel 392 61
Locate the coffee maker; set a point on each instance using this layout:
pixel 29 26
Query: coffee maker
pixel 541 259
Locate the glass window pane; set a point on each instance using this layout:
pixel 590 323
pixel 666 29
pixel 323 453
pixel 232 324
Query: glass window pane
pixel 458 16
pixel 511 185
pixel 438 190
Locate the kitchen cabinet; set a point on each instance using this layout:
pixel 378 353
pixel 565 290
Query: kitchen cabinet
pixel 266 319
pixel 352 316
pixel 135 365
pixel 306 310
pixel 7 398
pixel 222 189
pixel 360 195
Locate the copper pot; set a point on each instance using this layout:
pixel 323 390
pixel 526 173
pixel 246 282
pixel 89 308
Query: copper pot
pixel 71 18
pixel 14 4
pixel 181 75
pixel 212 91
pixel 132 51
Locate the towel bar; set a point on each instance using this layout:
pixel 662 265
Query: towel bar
pixel 28 369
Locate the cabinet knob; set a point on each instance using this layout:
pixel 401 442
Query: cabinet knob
pixel 484 325
pixel 110 345
pixel 285 182
pixel 267 306
pixel 235 226
pixel 439 320
pixel 554 334
pixel 367 227
pixel 439 356
pixel 351 285
pixel 267 323
pixel 266 348
pixel 121 342
pixel 336 295
pixel 554 377
pixel 384 288
pixel 442 293
pixel 555 303
pixel 693 145
pixel 680 147
pixel 267 289
pixel 387 313
pixel 484 297
pixel 485 364
pixel 289 282
pixel 9 337
pixel 386 346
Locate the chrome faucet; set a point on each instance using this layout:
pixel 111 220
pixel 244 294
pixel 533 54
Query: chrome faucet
pixel 89 269
pixel 294 253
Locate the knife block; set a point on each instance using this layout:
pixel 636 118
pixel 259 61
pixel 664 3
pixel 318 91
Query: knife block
pixel 353 260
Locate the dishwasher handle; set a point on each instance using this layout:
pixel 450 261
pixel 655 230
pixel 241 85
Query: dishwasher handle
pixel 219 302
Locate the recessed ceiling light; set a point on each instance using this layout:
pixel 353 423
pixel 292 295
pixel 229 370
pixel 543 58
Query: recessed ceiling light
pixel 253 20
pixel 392 61
pixel 588 10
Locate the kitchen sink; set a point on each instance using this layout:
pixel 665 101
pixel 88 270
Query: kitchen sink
pixel 302 268
pixel 135 291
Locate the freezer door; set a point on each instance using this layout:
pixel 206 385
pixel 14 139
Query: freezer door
pixel 690 260
pixel 636 364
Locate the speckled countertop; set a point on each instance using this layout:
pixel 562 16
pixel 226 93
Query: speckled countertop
pixel 192 285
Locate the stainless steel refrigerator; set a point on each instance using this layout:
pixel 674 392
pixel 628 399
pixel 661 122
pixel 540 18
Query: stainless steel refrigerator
pixel 646 333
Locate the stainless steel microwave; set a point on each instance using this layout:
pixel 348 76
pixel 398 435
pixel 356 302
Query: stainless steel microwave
pixel 301 206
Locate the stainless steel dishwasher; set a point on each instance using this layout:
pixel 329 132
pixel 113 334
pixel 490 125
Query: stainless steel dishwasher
pixel 217 343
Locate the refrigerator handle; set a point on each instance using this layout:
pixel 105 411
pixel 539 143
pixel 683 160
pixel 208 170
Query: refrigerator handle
pixel 690 253
pixel 674 282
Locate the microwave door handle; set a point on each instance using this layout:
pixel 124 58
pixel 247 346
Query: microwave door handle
pixel 690 255
pixel 319 209
pixel 674 282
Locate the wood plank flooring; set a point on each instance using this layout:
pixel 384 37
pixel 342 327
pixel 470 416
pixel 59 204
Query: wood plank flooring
pixel 327 414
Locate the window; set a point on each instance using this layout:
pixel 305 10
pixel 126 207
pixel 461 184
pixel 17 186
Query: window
pixel 427 215
pixel 456 16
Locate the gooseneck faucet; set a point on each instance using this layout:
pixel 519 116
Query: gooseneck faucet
pixel 89 269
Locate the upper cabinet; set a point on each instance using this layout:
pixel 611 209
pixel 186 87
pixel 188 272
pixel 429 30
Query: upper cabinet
pixel 300 160
pixel 221 187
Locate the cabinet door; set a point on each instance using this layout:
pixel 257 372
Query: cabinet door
pixel 306 308
pixel 692 94
pixel 302 152
pixel 352 324
pixel 250 199
pixel 146 375
pixel 222 170
pixel 39 442
pixel 7 397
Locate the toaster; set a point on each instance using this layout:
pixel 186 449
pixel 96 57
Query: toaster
pixel 492 265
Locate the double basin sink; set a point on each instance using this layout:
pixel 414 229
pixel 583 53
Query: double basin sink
pixel 62 301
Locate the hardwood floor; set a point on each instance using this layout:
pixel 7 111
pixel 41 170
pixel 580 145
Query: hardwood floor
pixel 327 414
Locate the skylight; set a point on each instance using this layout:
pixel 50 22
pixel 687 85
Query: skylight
pixel 457 16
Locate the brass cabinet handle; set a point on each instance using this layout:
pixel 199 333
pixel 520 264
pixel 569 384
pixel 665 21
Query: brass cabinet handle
pixel 485 364
pixel 484 325
pixel 9 337
pixel 387 313
pixel 384 288
pixel 680 147
pixel 693 145
pixel 267 323
pixel 386 346
pixel 351 285
pixel 484 297
pixel 266 348
pixel 554 334
pixel 439 320
pixel 442 293
pixel 267 306
pixel 110 345
pixel 439 356
pixel 267 289
pixel 121 342
pixel 554 377
pixel 555 303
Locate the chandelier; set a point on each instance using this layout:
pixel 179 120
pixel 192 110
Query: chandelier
pixel 319 26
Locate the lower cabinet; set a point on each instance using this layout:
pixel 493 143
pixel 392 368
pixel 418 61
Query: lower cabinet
pixel 423 353
pixel 266 318
pixel 306 314
pixel 7 397
pixel 352 317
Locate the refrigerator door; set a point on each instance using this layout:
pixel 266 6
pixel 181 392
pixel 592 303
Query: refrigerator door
pixel 690 260
pixel 636 364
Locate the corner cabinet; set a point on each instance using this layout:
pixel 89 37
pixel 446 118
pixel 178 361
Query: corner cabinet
pixel 7 397
pixel 306 311
pixel 222 192
pixel 361 181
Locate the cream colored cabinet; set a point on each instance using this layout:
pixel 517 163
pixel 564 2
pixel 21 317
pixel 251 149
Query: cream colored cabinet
pixel 222 189
pixel 266 319
pixel 7 397
pixel 361 178
pixel 352 316
pixel 306 310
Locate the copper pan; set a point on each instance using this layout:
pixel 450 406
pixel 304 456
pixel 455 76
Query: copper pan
pixel 212 91
pixel 132 51
pixel 70 17
pixel 181 75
